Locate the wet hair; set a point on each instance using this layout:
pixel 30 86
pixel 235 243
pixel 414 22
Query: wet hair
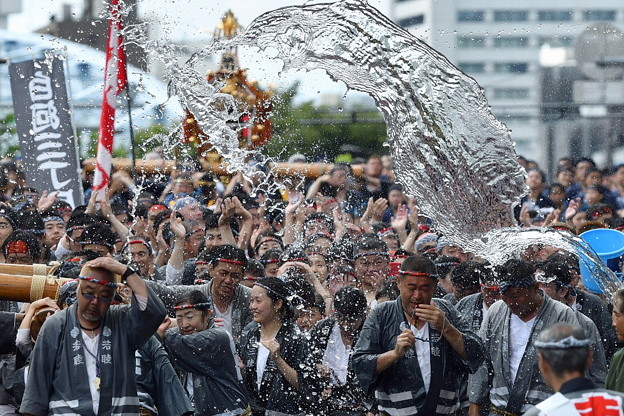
pixel 293 254
pixel 228 252
pixel 419 263
pixel 593 170
pixel 390 289
pixel 557 269
pixel 8 214
pixel 342 250
pixel 80 220
pixel 369 242
pixel 34 246
pixel 99 234
pixel 395 187
pixel 350 302
pixel 564 360
pixel 212 220
pixel 270 256
pixel 516 270
pixel 267 233
pixel 196 297
pixel 618 301
pixel 254 268
pixel 541 172
pixel 445 265
pixel 320 217
pixel 161 217
pixel 571 260
pixel 30 221
pixel 471 273
pixel 586 159
pixel 278 290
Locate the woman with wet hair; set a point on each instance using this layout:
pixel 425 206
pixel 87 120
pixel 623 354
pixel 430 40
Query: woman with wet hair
pixel 275 353
pixel 206 356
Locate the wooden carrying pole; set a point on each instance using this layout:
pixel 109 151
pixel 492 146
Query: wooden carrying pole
pixel 22 283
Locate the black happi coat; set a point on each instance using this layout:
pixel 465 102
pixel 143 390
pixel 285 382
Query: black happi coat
pixel 275 393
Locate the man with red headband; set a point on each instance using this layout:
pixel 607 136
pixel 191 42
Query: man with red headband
pixel 231 299
pixel 84 359
pixel 408 348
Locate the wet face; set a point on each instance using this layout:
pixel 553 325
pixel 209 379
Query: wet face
pixel 395 198
pixel 19 258
pixel 554 291
pixel 309 317
pixel 141 255
pixel 225 278
pixel 94 299
pixel 192 320
pixel 581 170
pixel 54 231
pixel 461 291
pixel 534 180
pixel 193 242
pixel 416 290
pixel 490 295
pixel 374 167
pixel 264 309
pixel 337 281
pixel 191 211
pixel 5 229
pixel 372 269
pixel 594 178
pixel 454 251
pixel 315 227
pixel 267 243
pixel 270 269
pixel 565 178
pixel 321 245
pixel 319 266
pixel 618 320
pixel 592 196
pixel 391 241
pixel 521 301
pixel 339 178
pixel 213 237
pixel 101 249
pixel 557 195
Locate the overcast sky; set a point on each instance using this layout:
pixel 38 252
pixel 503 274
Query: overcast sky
pixel 185 20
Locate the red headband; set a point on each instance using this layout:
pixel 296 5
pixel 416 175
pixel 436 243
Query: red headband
pixel 140 242
pixel 239 263
pixel 417 274
pixel 18 247
pixel 490 287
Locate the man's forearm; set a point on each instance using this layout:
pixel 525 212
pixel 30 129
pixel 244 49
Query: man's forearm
pixel 455 338
pixel 385 360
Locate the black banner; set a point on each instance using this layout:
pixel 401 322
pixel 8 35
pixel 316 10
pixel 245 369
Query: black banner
pixel 45 129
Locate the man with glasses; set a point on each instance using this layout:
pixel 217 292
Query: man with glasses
pixel 410 349
pixel 372 265
pixel 84 359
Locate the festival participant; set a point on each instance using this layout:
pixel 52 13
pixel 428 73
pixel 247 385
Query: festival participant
pixel 332 342
pixel 54 227
pixel 207 356
pixel 98 238
pixel 554 279
pixel 83 360
pixel 275 353
pixel 615 376
pixel 408 348
pixel 22 247
pixel 7 226
pixel 332 184
pixel 138 250
pixel 444 269
pixel 564 355
pixel 189 208
pixel 444 247
pixel 230 298
pixel 507 379
pixel 265 241
pixel 372 265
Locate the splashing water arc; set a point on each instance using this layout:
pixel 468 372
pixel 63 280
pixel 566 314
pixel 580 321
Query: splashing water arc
pixel 449 151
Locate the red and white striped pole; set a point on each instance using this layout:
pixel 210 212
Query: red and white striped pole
pixel 115 80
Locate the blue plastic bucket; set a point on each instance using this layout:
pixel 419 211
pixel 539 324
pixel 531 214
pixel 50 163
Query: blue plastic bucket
pixel 609 245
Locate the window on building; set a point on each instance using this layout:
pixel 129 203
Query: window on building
pixel 470 16
pixel 511 15
pixel 556 41
pixel 511 93
pixel 471 41
pixel 511 67
pixel 554 15
pixel 412 21
pixel 472 67
pixel 511 42
pixel 600 15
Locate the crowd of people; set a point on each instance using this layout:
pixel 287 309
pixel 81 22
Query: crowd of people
pixel 187 294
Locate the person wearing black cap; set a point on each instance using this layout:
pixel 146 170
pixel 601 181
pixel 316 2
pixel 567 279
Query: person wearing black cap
pixel 564 355
pixel 508 377
pixel 332 341
pixel 408 348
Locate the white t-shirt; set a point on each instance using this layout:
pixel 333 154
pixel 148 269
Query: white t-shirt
pixel 92 345
pixel 423 351
pixel 261 361
pixel 336 355
pixel 226 316
pixel 519 333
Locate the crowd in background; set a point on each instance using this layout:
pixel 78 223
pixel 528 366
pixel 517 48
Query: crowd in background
pixel 326 253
